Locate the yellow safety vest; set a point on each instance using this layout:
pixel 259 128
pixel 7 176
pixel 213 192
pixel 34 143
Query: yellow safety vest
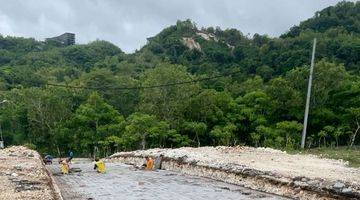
pixel 100 166
pixel 64 167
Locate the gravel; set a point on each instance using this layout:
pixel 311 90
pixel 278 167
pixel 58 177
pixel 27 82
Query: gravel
pixel 263 159
pixel 23 176
pixel 301 172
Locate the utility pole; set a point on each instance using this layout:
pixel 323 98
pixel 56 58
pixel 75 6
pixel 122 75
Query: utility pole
pixel 1 138
pixel 308 96
pixel 1 134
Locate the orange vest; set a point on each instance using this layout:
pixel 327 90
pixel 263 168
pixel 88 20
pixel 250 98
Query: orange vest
pixel 149 164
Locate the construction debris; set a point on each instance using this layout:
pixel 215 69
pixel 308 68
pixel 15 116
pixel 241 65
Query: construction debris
pixel 265 169
pixel 23 175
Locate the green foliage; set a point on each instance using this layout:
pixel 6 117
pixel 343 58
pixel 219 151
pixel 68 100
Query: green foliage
pixel 92 122
pixel 30 146
pixel 85 56
pixel 111 101
pixel 196 128
pixel 166 102
pixel 146 131
pixel 291 131
pixel 344 15
pixel 224 135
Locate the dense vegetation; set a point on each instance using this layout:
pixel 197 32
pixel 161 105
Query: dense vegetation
pixel 94 96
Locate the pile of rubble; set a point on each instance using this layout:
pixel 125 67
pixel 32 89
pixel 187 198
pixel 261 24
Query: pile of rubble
pixel 265 169
pixel 23 175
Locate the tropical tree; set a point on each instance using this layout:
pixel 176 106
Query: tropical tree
pixel 291 130
pixel 91 123
pixel 167 103
pixel 223 135
pixel 197 128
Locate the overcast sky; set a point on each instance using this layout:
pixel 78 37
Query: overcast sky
pixel 127 23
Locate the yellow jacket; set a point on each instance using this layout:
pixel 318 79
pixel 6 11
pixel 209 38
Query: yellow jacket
pixel 64 167
pixel 100 166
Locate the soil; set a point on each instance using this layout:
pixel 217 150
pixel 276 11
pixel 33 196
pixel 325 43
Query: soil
pixel 298 173
pixel 266 159
pixel 23 175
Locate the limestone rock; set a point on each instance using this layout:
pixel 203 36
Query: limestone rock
pixel 338 185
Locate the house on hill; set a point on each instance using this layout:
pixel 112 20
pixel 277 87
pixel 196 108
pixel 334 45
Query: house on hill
pixel 66 39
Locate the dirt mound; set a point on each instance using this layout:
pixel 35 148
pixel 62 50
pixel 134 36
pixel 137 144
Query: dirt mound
pixel 298 173
pixel 22 175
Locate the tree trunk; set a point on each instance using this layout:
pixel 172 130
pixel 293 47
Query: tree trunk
pixel 310 144
pixel 354 135
pixel 337 142
pixel 198 140
pixel 143 143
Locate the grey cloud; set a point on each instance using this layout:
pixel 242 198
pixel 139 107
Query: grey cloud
pixel 128 23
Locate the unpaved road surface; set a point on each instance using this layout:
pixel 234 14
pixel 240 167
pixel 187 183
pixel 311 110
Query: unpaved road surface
pixel 264 169
pixel 263 159
pixel 124 182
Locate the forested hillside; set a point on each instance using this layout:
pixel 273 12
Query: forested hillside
pixel 188 86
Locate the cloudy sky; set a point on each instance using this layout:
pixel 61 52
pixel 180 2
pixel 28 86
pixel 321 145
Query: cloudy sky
pixel 127 23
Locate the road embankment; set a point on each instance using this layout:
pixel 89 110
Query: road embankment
pixel 263 169
pixel 24 176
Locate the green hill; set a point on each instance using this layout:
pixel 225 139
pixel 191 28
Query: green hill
pixel 187 86
pixel 343 17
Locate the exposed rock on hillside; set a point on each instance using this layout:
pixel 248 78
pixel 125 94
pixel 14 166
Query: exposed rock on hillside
pixel 207 36
pixel 191 43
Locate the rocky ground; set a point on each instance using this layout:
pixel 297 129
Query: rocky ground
pixel 269 170
pixel 23 176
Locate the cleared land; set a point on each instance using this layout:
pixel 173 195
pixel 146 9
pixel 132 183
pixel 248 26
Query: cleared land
pixel 295 173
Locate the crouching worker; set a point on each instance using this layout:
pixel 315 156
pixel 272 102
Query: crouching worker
pixel 48 159
pixel 149 163
pixel 64 166
pixel 158 161
pixel 99 165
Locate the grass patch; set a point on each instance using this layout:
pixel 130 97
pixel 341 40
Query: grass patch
pixel 348 154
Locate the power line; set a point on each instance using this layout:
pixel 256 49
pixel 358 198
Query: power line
pixel 144 87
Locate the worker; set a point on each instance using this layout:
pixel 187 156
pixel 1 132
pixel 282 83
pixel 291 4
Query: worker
pixel 71 156
pixel 99 165
pixel 64 166
pixel 48 159
pixel 158 161
pixel 149 163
